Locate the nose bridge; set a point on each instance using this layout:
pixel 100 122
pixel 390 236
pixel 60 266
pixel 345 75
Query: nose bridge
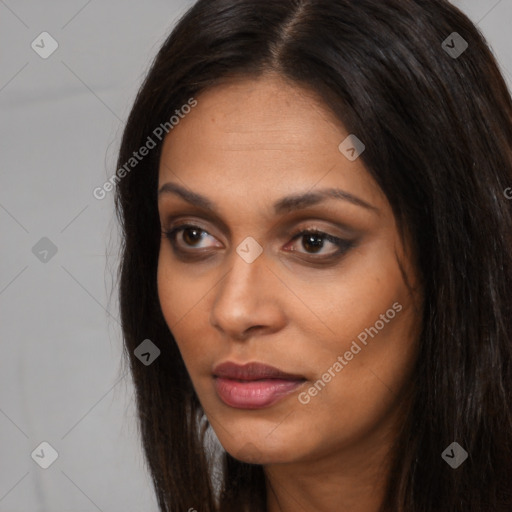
pixel 239 288
pixel 244 298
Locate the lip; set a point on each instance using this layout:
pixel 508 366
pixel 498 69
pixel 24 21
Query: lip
pixel 252 371
pixel 253 385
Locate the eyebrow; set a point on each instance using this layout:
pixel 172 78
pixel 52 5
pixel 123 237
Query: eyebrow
pixel 283 205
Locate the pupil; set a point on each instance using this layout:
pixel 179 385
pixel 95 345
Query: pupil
pixel 194 239
pixel 315 245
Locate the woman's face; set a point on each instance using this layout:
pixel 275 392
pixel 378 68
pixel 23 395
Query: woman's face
pixel 330 309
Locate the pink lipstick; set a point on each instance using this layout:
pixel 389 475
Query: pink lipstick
pixel 253 385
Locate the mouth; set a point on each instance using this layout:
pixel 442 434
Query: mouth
pixel 254 385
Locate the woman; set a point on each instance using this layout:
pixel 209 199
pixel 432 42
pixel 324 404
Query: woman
pixel 318 240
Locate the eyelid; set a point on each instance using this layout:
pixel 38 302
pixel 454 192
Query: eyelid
pixel 188 220
pixel 312 222
pixel 172 231
pixel 342 245
pixel 198 218
pixel 283 232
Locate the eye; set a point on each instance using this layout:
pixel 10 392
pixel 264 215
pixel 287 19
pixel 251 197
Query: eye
pixel 190 236
pixel 186 240
pixel 314 241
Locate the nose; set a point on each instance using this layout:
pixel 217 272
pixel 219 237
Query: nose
pixel 248 299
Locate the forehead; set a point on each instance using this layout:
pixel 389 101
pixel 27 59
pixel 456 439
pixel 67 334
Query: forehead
pixel 261 137
pixel 256 114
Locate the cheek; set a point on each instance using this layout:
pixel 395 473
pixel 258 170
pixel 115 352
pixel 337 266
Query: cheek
pixel 344 303
pixel 168 286
pixel 371 322
pixel 183 297
pixel 180 290
pixel 358 387
pixel 368 392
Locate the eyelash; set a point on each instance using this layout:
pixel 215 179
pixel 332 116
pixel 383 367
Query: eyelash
pixel 343 245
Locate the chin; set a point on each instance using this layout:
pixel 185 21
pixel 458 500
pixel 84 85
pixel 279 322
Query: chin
pixel 263 449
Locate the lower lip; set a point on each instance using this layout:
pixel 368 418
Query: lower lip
pixel 254 394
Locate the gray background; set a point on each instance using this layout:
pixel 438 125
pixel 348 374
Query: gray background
pixel 61 380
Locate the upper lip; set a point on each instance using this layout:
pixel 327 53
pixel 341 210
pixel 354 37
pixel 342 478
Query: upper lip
pixel 252 371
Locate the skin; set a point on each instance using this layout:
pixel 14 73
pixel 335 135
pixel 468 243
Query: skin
pixel 248 143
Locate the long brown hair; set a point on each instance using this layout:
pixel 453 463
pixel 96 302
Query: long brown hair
pixel 438 133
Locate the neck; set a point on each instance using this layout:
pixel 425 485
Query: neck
pixel 348 479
